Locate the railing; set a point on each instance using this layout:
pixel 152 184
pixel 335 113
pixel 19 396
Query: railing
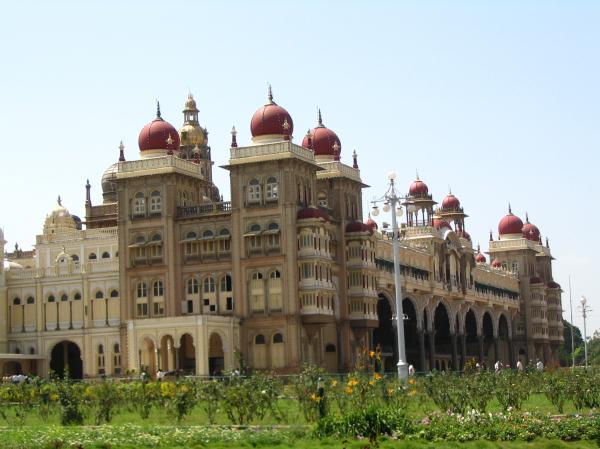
pixel 272 149
pixel 204 209
pixel 335 167
pixel 159 163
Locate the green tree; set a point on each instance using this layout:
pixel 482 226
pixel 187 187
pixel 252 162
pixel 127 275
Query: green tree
pixel 594 349
pixel 565 351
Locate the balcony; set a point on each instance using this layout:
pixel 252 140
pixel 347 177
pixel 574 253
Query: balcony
pixel 220 208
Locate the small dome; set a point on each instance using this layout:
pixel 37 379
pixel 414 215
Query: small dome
pixel 439 223
pixel 10 265
pixel 190 104
pixel 358 226
pixel 464 234
pixel 510 224
pixel 553 284
pixel 190 135
pixel 109 186
pixel 496 263
pixel 530 231
pixel 59 220
pixel 158 135
pixel 480 258
pixel 323 140
pixel 271 119
pixel 371 223
pixel 418 188
pixel 450 202
pixel 311 212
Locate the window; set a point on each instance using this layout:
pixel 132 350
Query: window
pixel 139 204
pixel 117 359
pixel 106 255
pixel 155 202
pixel 209 285
pixel 192 286
pixel 156 249
pixel 114 293
pixel 75 258
pixel 77 296
pixel 159 308
pixel 141 290
pixel 224 232
pixel 208 244
pixel 140 248
pixel 101 370
pixel 207 234
pixel 226 283
pixel 92 256
pixel 330 348
pixel 257 292
pixel 51 298
pixel 272 192
pixel 64 297
pixel 30 300
pixel 277 338
pixel 254 193
pixel 191 235
pixel 99 295
pixel 229 303
pixel 274 289
pixel 259 339
pixel 17 301
pixel 158 288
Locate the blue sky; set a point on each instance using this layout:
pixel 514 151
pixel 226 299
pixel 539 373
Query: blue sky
pixel 500 100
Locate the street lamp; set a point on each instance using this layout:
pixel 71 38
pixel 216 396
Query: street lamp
pixel 391 201
pixel 584 310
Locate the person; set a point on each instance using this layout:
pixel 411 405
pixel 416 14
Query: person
pixel 411 370
pixel 478 366
pixel 497 366
pixel 539 365
pixel 519 366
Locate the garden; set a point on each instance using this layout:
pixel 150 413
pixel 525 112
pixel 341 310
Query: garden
pixel 361 409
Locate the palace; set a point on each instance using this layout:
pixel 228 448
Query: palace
pixel 166 275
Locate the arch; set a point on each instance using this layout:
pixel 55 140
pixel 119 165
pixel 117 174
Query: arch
pixel 277 350
pixel 259 339
pixel 147 354
pixel 504 320
pixel 216 355
pixel 187 354
pixel 254 227
pixel 51 298
pixel 99 294
pixel 166 360
pixel 208 234
pixel 30 300
pixel 106 255
pixel 17 301
pixel 92 256
pixel 155 202
pixel 64 297
pixel 254 191
pixel 442 330
pixel 158 288
pixel 272 226
pixel 259 352
pixel 66 355
pixel 193 286
pixel 139 204
pixel 114 293
pixel 224 232
pixel 411 331
pixel 191 235
pixel 384 336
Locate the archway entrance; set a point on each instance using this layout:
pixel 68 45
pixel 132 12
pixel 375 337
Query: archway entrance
pixel 187 354
pixel 216 359
pixel 488 341
pixel 147 355
pixel 411 336
pixel 503 341
pixel 443 343
pixel 66 355
pixel 384 335
pixel 472 343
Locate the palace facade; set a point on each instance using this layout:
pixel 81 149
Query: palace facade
pixel 164 274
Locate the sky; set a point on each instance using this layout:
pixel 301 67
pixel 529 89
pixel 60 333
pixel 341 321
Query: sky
pixel 498 101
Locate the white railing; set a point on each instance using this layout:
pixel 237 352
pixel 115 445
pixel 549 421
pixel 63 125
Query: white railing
pixel 159 163
pixel 272 149
pixel 336 167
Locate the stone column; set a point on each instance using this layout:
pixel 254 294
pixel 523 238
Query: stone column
pixel 431 350
pixel 480 341
pixel 511 354
pixel 496 349
pixel 421 333
pixel 463 351
pixel 455 366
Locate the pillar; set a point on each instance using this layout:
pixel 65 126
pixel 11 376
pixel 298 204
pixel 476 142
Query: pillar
pixel 511 354
pixel 455 366
pixel 463 350
pixel 431 350
pixel 421 333
pixel 496 349
pixel 480 341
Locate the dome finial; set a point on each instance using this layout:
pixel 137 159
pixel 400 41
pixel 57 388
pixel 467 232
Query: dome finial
pixel 491 237
pixel 169 144
pixel 270 96
pixel 233 137
pixel 59 201
pixel 478 248
pixel 320 118
pixel 355 160
pixel 509 209
pixel 121 152
pixel 158 109
pixel 417 172
pixel 449 190
pixel 526 217
pixel 309 144
pixel 336 151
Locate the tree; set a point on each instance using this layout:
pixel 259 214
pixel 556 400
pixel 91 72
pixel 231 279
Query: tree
pixel 565 351
pixel 594 349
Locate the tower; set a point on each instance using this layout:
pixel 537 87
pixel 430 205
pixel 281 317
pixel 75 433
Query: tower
pixel 3 298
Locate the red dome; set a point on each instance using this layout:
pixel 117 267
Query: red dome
pixel 464 234
pixel 510 224
pixel 154 135
pixel 439 223
pixel 358 226
pixel 480 258
pixel 496 263
pixel 323 140
pixel 418 188
pixel 371 223
pixel 530 231
pixel 311 212
pixel 450 202
pixel 271 119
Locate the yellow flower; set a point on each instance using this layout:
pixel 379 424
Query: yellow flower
pixel 314 398
pixel 88 392
pixel 412 392
pixel 349 390
pixel 372 354
pixel 371 382
pixel 334 383
pixel 412 381
pixel 391 391
pixel 54 397
pixel 377 376
pixel 184 389
pixel 352 382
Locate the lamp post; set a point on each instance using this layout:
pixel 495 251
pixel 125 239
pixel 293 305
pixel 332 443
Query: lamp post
pixel 584 310
pixel 391 201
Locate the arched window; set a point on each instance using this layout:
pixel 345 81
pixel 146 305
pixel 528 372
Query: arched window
pixel 101 360
pixel 158 289
pixel 64 297
pixel 224 232
pixel 272 190
pixel 255 228
pixel 99 295
pixel 275 274
pixel 277 338
pixel 139 204
pixel 156 238
pixel 254 194
pixel 92 256
pixel 141 290
pixel 226 283
pixel 259 339
pixel 191 235
pixel 275 290
pixel 75 258
pixel 51 298
pixel 273 226
pixel 330 347
pixel 156 248
pixel 155 202
pixel 17 301
pixel 77 296
pixel 114 293
pixel 257 292
pixel 106 255
pixel 207 234
pixel 117 359
pixel 30 300
pixel 209 285
pixel 31 350
pixel 193 286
